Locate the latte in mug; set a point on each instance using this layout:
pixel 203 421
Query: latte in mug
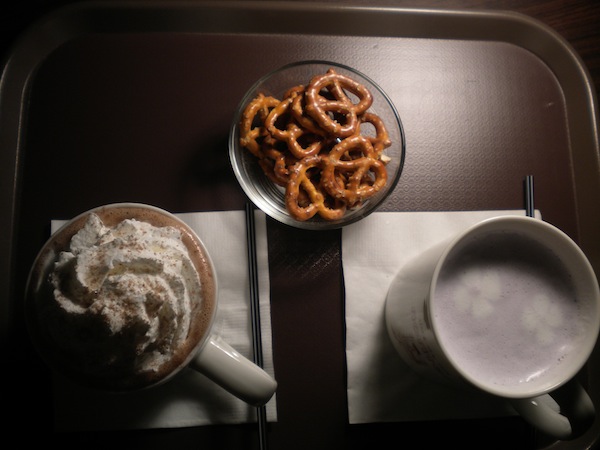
pixel 510 306
pixel 507 310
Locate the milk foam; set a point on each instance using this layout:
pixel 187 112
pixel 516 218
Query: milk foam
pixel 505 308
pixel 128 292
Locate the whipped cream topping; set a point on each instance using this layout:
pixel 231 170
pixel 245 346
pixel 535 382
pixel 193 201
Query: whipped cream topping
pixel 129 290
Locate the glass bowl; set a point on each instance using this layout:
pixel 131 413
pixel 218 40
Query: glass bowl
pixel 270 196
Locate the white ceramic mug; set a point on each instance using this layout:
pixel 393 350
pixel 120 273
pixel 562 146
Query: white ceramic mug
pixel 511 306
pixel 203 350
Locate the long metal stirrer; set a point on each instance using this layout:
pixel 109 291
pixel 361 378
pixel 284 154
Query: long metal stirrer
pixel 255 315
pixel 529 206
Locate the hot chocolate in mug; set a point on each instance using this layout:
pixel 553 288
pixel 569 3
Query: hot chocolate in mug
pixel 123 297
pixel 511 306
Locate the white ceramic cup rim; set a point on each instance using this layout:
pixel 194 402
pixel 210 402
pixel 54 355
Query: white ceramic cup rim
pixel 576 361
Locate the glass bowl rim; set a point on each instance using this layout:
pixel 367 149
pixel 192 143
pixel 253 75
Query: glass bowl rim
pixel 286 218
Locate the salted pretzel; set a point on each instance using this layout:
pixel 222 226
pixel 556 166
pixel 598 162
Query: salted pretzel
pixel 292 133
pixel 275 166
pixel 310 143
pixel 257 110
pixel 302 118
pixel 337 115
pixel 301 181
pixel 381 140
pixel 358 178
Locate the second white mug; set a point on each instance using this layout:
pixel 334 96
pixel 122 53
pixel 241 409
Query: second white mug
pixel 511 307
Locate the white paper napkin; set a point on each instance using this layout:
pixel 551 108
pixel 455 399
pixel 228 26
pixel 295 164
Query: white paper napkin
pixel 190 399
pixel 381 388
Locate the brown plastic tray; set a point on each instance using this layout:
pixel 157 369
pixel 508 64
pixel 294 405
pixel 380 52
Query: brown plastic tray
pixel 133 102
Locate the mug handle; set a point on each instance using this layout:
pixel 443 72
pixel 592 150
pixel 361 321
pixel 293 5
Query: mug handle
pixel 232 371
pixel 546 414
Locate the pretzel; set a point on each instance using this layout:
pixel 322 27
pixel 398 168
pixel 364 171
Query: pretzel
pixel 327 112
pixel 258 108
pixel 381 140
pixel 300 180
pixel 358 178
pixel 292 133
pixel 274 165
pixel 303 119
pixel 310 143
